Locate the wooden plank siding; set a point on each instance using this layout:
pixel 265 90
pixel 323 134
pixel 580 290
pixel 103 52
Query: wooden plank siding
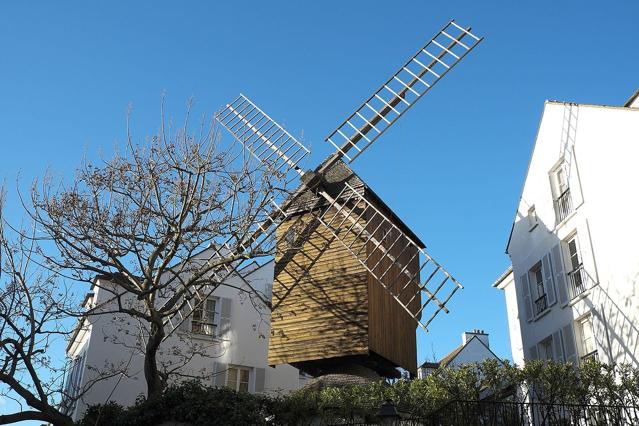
pixel 391 329
pixel 322 313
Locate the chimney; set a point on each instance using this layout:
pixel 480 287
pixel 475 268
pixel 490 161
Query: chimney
pixel 481 335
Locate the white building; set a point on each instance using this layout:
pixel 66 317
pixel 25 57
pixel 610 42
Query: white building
pixel 475 348
pixel 229 331
pixel 573 289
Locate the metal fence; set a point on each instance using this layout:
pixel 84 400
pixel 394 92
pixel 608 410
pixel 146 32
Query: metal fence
pixel 563 205
pixel 505 413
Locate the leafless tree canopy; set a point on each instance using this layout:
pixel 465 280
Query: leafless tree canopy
pixel 142 220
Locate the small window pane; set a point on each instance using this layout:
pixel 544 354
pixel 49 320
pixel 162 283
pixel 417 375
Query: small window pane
pixel 231 378
pixel 244 380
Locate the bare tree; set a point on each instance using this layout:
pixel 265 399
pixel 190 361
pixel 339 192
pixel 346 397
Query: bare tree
pixel 37 313
pixel 143 218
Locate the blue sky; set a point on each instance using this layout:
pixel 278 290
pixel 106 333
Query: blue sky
pixel 452 168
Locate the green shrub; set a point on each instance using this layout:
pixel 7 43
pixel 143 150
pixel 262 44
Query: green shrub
pixel 190 402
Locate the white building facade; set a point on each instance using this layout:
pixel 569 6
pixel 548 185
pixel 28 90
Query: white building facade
pixel 573 289
pixel 224 343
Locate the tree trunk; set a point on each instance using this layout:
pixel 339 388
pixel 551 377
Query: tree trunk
pixel 154 382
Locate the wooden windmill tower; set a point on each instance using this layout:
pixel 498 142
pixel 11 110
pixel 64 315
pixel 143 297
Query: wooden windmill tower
pixel 351 281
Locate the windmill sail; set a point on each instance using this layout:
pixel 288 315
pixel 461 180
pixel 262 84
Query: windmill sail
pixel 349 216
pixel 261 234
pixel 281 154
pixel 400 92
pixel 386 251
pixel 266 140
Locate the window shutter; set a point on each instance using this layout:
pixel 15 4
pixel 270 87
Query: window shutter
pixel 587 257
pixel 549 283
pixel 533 352
pixel 225 316
pixel 219 378
pixel 527 300
pixel 260 378
pixel 560 277
pixel 558 353
pixel 574 183
pixel 570 350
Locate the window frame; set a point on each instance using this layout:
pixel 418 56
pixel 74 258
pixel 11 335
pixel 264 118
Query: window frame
pixel 585 351
pixel 574 273
pixel 537 281
pixel 546 344
pixel 214 324
pixel 238 370
pixel 560 189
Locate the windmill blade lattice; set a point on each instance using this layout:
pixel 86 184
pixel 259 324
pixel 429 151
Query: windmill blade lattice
pixel 261 233
pixel 351 218
pixel 281 153
pixel 266 140
pixel 400 92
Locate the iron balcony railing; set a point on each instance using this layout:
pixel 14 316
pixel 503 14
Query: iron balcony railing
pixel 563 205
pixel 541 304
pixel 591 355
pixel 577 281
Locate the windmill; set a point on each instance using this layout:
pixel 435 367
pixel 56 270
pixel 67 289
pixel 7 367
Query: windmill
pixel 352 281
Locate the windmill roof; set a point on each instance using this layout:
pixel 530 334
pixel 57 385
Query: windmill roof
pixel 335 179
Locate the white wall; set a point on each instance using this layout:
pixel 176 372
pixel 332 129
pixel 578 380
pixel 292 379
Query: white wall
pixel 110 342
pixel 473 351
pixel 512 313
pixel 602 145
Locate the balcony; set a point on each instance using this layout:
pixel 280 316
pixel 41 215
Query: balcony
pixel 541 304
pixel 590 355
pixel 563 205
pixel 577 281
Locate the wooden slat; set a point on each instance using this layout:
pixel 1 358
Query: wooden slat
pixel 324 314
pixel 391 329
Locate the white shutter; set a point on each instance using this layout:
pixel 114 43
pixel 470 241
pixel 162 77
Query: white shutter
pixel 219 377
pixel 587 256
pixel 560 277
pixel 260 378
pixel 533 353
pixel 574 183
pixel 570 350
pixel 549 283
pixel 558 353
pixel 526 292
pixel 225 315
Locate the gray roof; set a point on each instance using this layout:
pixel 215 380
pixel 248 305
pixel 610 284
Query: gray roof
pixel 335 180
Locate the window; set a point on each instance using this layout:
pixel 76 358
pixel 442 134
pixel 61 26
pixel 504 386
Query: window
pixel 561 193
pixel 532 218
pixel 73 384
pixel 562 185
pixel 576 275
pixel 545 349
pixel 588 346
pixel 237 378
pixel 204 319
pixel 537 281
